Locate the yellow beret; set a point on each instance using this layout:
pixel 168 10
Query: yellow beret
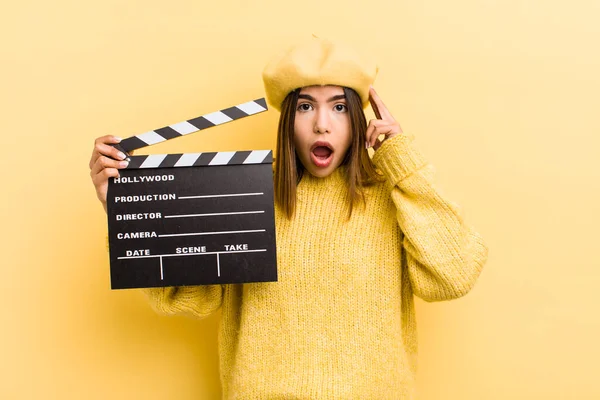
pixel 318 62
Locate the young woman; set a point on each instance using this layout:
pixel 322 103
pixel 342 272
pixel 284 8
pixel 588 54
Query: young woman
pixel 356 239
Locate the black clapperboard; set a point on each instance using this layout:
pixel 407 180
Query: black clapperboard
pixel 194 218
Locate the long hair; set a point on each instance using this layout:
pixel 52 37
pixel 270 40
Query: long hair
pixel 360 170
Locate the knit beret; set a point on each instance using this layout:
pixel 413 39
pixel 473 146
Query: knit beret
pixel 317 62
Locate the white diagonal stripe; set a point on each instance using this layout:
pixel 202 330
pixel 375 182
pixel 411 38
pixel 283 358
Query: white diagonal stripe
pixel 151 138
pixel 217 117
pixel 183 127
pixel 251 107
pixel 153 161
pixel 257 156
pixel 222 158
pixel 187 160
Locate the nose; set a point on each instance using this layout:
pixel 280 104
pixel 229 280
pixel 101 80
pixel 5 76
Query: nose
pixel 322 123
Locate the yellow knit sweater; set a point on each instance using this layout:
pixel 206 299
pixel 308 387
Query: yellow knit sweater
pixel 340 322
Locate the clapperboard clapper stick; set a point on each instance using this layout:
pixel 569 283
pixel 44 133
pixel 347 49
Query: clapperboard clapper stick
pixel 192 218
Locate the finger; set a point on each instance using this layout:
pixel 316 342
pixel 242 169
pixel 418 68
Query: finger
pixel 101 182
pixel 101 178
pixel 374 106
pixel 108 139
pixel 377 128
pixel 373 132
pixel 104 162
pixel 368 133
pixel 101 149
pixel 111 152
pixel 381 111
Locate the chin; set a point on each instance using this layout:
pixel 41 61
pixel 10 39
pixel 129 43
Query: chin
pixel 321 172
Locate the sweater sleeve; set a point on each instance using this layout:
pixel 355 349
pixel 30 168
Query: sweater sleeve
pixel 196 301
pixel 443 255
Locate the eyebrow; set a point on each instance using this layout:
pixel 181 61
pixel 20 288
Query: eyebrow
pixel 333 98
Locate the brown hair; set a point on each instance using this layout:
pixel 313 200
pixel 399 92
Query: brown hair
pixel 360 170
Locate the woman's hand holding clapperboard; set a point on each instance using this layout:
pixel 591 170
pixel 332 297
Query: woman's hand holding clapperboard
pixel 107 160
pixel 105 163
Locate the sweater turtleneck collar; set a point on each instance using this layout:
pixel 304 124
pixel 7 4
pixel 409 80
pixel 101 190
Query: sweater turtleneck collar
pixel 335 180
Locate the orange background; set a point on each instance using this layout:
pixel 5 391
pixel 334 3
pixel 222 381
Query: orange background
pixel 502 97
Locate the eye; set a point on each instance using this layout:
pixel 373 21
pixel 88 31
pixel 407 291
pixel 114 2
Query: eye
pixel 304 107
pixel 340 107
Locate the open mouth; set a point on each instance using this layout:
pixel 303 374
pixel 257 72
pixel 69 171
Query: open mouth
pixel 321 154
